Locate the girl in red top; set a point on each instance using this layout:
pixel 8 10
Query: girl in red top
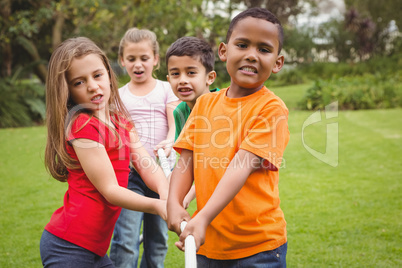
pixel 90 144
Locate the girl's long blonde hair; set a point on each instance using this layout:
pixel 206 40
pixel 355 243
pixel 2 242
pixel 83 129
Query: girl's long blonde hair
pixel 59 103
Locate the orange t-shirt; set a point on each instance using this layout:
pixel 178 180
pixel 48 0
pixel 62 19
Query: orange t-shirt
pixel 216 129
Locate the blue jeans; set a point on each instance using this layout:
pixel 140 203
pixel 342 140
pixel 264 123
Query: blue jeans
pixel 59 253
pixel 268 259
pixel 124 250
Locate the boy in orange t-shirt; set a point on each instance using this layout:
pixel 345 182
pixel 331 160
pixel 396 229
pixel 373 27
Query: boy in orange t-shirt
pixel 231 147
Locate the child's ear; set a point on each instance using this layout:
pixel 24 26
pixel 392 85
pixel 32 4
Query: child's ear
pixel 222 52
pixel 122 62
pixel 211 76
pixel 167 78
pixel 156 59
pixel 278 64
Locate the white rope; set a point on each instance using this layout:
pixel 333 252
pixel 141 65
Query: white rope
pixel 190 253
pixel 163 161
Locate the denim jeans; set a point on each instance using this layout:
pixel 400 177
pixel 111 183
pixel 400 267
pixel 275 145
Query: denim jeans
pixel 124 250
pixel 268 259
pixel 59 253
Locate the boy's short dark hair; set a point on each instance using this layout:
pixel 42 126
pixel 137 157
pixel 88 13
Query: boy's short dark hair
pixel 258 13
pixel 193 47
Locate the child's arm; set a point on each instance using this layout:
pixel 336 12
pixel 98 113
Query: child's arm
pixel 239 169
pixel 97 166
pixel 189 197
pixel 147 168
pixel 168 142
pixel 180 183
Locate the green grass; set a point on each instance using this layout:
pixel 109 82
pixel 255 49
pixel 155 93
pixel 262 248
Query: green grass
pixel 343 216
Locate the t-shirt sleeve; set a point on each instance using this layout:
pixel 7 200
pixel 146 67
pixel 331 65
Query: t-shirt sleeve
pixel 267 135
pixel 85 127
pixel 126 123
pixel 180 117
pixel 185 140
pixel 176 116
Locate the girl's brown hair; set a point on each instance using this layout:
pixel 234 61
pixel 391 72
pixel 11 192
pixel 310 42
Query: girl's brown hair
pixel 59 103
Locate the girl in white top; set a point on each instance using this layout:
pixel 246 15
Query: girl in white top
pixel 150 103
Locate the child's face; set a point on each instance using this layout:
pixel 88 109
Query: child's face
pixel 139 61
pixel 89 83
pixel 251 54
pixel 188 78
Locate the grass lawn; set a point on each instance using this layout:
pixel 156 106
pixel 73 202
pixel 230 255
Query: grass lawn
pixel 344 215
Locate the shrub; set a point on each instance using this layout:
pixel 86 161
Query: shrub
pixel 352 93
pixel 22 103
pixel 287 76
pixel 384 66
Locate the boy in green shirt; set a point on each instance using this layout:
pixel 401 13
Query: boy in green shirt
pixel 190 63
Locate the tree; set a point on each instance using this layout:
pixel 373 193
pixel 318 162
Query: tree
pixel 22 22
pixel 363 30
pixel 370 22
pixel 32 29
pixel 338 41
pixel 381 12
pixel 298 44
pixel 6 63
pixel 283 9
